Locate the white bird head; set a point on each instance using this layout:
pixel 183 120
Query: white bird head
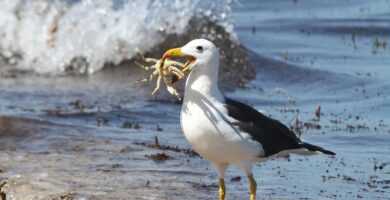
pixel 203 62
pixel 201 53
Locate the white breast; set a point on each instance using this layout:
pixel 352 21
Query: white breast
pixel 207 127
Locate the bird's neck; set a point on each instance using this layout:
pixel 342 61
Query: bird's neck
pixel 204 80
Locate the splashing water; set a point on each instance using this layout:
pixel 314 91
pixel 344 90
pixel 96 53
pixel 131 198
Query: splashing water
pixel 55 37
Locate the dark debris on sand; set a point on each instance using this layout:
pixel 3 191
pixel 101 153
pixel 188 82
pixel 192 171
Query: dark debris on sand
pixel 109 167
pixel 3 196
pixel 159 157
pixel 157 145
pixel 78 105
pixel 131 125
pixel 235 179
pixel 66 196
pixel 204 186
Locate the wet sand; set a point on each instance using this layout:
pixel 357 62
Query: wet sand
pixel 44 160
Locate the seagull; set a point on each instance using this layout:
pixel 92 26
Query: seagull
pixel 225 131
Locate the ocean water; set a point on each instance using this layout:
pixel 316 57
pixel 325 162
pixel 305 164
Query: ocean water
pixel 334 52
pixel 72 100
pixel 53 37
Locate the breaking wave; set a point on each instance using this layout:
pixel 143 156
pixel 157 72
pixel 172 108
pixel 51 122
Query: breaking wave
pixel 83 36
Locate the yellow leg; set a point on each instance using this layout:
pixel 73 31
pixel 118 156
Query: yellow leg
pixel 222 189
pixel 252 187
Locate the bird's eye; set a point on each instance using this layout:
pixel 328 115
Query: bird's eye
pixel 199 48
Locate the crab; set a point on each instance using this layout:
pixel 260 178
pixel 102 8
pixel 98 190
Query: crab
pixel 166 70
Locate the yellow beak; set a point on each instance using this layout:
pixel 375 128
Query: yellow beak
pixel 177 53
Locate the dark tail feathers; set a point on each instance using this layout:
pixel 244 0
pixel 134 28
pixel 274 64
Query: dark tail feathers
pixel 311 147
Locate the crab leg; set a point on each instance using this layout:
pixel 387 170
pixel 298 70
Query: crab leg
pixel 146 68
pixel 157 85
pixel 176 71
pixel 186 66
pixel 173 62
pixel 151 60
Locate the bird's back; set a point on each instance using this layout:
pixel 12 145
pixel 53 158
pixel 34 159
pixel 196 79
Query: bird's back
pixel 270 133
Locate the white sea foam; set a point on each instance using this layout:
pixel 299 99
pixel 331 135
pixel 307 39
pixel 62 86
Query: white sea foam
pixel 47 36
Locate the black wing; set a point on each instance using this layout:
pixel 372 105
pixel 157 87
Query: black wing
pixel 273 135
